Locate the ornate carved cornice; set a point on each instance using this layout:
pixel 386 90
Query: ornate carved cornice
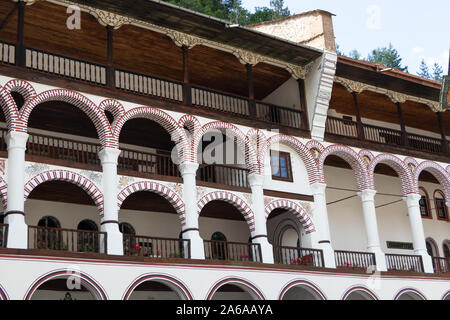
pixel 396 97
pixel 108 19
pixel 27 2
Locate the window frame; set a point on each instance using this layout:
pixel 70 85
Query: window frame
pixel 428 204
pixel 287 156
pixel 437 191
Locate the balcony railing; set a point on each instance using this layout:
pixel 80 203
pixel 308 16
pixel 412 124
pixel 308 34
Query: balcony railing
pixel 232 251
pixel 385 136
pixel 353 259
pixel 66 240
pixel 148 85
pixel 226 175
pixel 399 262
pixel 441 265
pixel 3 235
pixel 149 163
pixel 156 247
pixel 298 256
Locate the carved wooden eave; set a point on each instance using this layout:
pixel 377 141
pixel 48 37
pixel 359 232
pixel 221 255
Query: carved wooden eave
pixel 27 2
pixel 396 97
pixel 181 39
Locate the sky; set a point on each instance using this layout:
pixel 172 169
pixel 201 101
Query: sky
pixel 417 29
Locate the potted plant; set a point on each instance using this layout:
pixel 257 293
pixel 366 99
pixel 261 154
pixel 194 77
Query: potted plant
pixel 135 249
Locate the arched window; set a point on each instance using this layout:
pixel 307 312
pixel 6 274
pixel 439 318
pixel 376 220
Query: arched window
pixel 127 228
pixel 87 225
pixel 441 207
pixel 432 248
pixel 219 248
pixel 446 248
pixel 49 222
pixel 88 241
pixel 424 203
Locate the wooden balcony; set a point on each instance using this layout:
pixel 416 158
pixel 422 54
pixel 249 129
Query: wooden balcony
pixel 399 262
pixel 224 175
pixel 298 256
pixel 384 139
pixel 232 251
pixel 441 265
pixel 172 91
pixel 354 260
pixel 66 240
pixel 153 247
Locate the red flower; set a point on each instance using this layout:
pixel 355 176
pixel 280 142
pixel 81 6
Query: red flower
pixel 159 252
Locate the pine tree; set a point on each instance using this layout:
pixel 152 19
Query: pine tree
pixel 437 72
pixel 424 70
pixel 387 56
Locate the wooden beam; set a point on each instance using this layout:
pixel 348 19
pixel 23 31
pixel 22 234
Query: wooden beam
pixel 3 23
pixel 187 93
pixel 20 47
pixel 251 91
pixel 303 106
pixel 402 124
pixel 110 72
pixel 445 148
pixel 359 124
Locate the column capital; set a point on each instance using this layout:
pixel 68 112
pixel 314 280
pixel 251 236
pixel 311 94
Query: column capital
pixel 367 194
pixel 188 168
pixel 16 140
pixel 109 155
pixel 412 199
pixel 318 188
pixel 256 179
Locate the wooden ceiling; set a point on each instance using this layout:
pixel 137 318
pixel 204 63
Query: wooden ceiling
pixel 379 107
pixel 135 49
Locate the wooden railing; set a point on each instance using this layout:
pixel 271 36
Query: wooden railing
pixel 156 247
pixel 232 251
pixel 217 100
pixel 66 239
pixel 3 235
pixel 349 128
pixel 353 259
pixel 298 256
pixel 7 53
pixel 145 162
pixel 63 149
pixel 65 66
pixel 222 174
pixel 399 262
pixel 441 265
pixel 149 85
pixel 276 114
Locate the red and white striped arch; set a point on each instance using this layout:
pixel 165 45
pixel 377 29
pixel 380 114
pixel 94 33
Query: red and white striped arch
pixel 295 209
pixel 9 107
pixel 229 130
pixel 113 106
pixel 76 99
pixel 437 171
pixel 230 198
pixel 24 88
pixel 299 148
pixel 400 168
pixel 4 192
pixel 160 189
pixel 356 162
pixel 72 177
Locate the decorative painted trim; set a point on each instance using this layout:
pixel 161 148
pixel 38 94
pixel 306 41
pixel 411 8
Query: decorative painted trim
pixel 246 285
pixel 89 282
pixel 406 290
pixel 296 210
pixel 64 175
pixel 175 284
pixel 305 283
pixel 359 288
pixel 160 189
pixel 3 294
pixel 231 198
pixel 396 97
pixel 437 171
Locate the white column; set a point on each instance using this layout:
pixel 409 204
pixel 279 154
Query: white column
pixel 256 182
pixel 370 222
pixel 322 239
pixel 15 216
pixel 110 220
pixel 190 230
pixel 418 235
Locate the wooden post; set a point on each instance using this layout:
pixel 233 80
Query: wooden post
pixel 110 72
pixel 187 91
pixel 20 46
pixel 251 91
pixel 443 135
pixel 303 107
pixel 359 124
pixel 402 124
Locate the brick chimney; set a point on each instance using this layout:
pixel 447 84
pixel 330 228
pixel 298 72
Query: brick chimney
pixel 312 28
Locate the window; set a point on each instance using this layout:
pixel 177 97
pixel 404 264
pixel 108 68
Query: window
pixel 441 207
pixel 446 248
pixel 127 228
pixel 431 248
pixel 424 204
pixel 49 222
pixel 281 165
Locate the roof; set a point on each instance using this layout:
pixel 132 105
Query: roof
pixel 187 21
pixel 294 16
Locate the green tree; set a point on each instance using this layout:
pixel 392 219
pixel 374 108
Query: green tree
pixel 279 11
pixel 424 70
pixel 437 72
pixel 387 56
pixel 354 54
